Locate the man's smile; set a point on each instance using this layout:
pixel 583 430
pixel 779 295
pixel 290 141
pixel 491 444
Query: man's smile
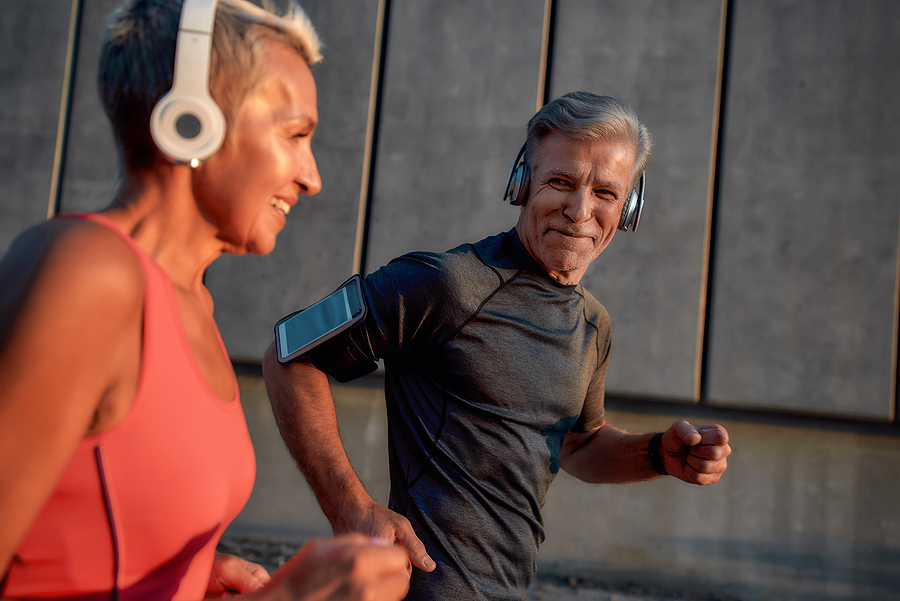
pixel 570 233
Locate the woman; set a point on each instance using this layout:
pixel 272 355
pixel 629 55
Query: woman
pixel 124 452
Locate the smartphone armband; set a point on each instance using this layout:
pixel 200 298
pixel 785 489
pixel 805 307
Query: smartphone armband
pixel 330 334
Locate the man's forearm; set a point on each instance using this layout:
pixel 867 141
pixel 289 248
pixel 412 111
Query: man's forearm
pixel 304 411
pixel 608 455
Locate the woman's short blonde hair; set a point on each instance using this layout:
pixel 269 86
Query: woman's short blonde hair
pixel 137 60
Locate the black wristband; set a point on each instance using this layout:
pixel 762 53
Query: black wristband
pixel 654 456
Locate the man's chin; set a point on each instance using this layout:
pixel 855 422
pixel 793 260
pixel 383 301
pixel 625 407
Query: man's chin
pixel 567 269
pixel 564 259
pixel 568 277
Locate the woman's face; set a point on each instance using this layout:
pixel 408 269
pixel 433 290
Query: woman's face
pixel 247 188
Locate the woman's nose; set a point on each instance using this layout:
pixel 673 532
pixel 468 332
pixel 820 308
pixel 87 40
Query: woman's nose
pixel 308 177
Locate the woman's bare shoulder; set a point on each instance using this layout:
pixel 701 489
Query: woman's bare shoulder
pixel 73 252
pixel 70 267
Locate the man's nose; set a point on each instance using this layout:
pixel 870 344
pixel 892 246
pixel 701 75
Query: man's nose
pixel 579 205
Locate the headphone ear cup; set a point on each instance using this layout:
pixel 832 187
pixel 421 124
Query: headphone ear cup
pixel 631 211
pixel 187 127
pixel 627 210
pixel 186 124
pixel 517 186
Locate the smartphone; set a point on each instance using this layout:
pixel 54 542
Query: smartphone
pixel 300 332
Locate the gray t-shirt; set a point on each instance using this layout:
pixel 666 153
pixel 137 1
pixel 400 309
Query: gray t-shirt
pixel 489 363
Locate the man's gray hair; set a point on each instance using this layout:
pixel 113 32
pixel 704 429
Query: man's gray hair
pixel 137 60
pixel 586 116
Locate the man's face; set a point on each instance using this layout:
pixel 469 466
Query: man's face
pixel 575 200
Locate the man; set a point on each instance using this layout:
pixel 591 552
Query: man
pixel 495 360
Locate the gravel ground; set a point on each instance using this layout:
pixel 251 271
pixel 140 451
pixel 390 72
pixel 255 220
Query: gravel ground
pixel 271 554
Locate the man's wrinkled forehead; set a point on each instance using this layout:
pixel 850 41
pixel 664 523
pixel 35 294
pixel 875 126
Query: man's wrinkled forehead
pixel 591 151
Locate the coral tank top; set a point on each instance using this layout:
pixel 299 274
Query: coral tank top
pixel 140 508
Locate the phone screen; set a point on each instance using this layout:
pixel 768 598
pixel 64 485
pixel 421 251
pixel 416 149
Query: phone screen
pixel 316 322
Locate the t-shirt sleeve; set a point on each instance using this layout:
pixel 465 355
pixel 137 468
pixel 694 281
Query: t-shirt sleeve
pixel 409 303
pixel 593 414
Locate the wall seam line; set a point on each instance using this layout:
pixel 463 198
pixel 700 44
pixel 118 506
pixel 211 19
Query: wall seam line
pixel 372 120
pixel 549 24
pixel 65 110
pixel 703 323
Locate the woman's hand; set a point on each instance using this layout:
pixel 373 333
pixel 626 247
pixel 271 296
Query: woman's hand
pixel 231 574
pixel 351 567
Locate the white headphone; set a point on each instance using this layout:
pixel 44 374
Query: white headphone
pixel 186 124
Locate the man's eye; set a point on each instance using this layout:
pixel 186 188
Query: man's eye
pixel 560 184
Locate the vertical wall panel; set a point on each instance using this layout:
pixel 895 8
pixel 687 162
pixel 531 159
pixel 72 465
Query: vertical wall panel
pixel 91 167
pixel 460 85
pixel 314 253
pixel 806 259
pixel 33 43
pixel 661 57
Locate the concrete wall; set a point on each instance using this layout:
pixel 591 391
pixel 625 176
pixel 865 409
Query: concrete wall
pixel 761 289
pixel 804 301
pixel 765 271
pixel 34 39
